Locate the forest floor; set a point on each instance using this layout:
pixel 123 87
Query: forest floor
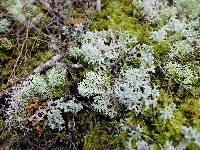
pixel 99 75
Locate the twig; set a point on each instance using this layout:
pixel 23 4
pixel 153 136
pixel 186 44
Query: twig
pixel 49 63
pixel 73 66
pixel 47 7
pixel 190 92
pixel 18 58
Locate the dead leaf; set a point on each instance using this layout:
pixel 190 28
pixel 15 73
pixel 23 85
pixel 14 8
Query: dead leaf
pixel 74 21
pixel 44 5
pixel 39 130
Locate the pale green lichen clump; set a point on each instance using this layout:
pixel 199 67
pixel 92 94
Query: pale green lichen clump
pixel 132 87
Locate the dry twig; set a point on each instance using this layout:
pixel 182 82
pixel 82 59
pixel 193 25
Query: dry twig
pixel 18 58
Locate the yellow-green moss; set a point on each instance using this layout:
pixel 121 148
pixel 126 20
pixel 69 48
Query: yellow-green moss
pixel 118 14
pixel 161 49
pixel 25 68
pixel 99 137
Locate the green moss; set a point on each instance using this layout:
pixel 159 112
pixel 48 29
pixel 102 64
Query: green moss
pixel 119 15
pixel 25 68
pixel 5 135
pixel 34 62
pixel 161 49
pixel 8 55
pixel 99 137
pixel 159 130
pixel 191 108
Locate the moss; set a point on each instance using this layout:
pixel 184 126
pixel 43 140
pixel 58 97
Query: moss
pixel 191 108
pixel 119 15
pixel 161 49
pixel 8 55
pixel 5 135
pixel 158 130
pixel 99 137
pixel 10 50
pixel 25 68
pixel 34 62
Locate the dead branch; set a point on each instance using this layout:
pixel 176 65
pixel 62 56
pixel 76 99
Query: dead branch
pixel 54 61
pixel 73 66
pixel 50 63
